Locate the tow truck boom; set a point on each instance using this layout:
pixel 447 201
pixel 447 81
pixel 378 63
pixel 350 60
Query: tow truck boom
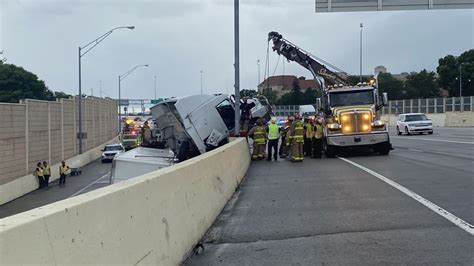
pixel 294 53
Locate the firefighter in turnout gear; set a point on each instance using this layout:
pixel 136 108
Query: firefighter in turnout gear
pixel 259 136
pixel 297 139
pixel 308 137
pixel 318 138
pixel 285 137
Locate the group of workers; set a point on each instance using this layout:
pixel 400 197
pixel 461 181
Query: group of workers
pixel 299 139
pixel 43 172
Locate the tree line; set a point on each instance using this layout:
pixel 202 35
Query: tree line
pixel 16 83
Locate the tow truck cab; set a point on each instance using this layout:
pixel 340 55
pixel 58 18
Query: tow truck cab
pixel 353 119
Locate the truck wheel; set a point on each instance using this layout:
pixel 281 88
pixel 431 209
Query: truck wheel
pixel 329 150
pixel 398 131
pixel 183 151
pixel 383 148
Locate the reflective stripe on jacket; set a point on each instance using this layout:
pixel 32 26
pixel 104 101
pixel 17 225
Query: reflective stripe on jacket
pixel 273 131
pixel 259 135
pixel 299 131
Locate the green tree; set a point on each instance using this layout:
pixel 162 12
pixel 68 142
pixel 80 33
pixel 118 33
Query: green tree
pixel 448 72
pixel 248 93
pixel 309 96
pixel 421 85
pixel 60 94
pixel 392 86
pixel 16 83
pixel 270 95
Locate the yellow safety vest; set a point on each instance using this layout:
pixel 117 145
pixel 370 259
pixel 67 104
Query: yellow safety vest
pixel 39 171
pixel 259 135
pixel 309 130
pixel 299 131
pixel 46 170
pixel 273 131
pixel 63 169
pixel 318 133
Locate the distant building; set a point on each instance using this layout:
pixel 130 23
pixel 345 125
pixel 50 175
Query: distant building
pixel 381 69
pixel 283 84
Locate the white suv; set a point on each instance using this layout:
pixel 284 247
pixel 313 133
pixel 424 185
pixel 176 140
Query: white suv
pixel 110 151
pixel 414 123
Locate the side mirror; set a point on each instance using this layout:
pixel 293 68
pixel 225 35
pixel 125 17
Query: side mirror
pixel 385 99
pixel 318 104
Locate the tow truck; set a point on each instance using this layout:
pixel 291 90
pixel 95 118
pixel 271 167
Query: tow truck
pixel 351 113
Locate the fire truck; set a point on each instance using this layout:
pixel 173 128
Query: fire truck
pixel 351 113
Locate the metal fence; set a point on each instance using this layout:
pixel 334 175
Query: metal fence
pixel 428 106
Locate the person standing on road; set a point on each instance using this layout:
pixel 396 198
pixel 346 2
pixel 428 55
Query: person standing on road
pixel 318 138
pixel 258 134
pixel 273 138
pixel 297 133
pixel 63 170
pixel 39 175
pixel 308 136
pixel 46 173
pixel 285 138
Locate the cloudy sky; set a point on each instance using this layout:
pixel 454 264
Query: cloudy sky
pixel 179 38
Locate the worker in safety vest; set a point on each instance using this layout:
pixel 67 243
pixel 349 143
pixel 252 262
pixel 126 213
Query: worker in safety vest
pixel 308 136
pixel 63 171
pixel 39 174
pixel 46 173
pixel 285 137
pixel 273 138
pixel 259 136
pixel 297 140
pixel 318 138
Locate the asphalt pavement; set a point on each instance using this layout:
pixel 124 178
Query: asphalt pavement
pixel 413 206
pixel 94 175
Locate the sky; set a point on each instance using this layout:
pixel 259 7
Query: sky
pixel 179 38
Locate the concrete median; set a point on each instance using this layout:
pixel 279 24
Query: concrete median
pixel 154 219
pixel 28 183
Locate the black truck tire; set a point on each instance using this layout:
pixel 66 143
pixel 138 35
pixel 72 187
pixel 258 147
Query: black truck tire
pixel 183 153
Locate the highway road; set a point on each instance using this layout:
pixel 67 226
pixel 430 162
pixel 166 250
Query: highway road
pixel 414 206
pixel 94 175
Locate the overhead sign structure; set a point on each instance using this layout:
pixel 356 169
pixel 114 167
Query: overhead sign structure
pixel 323 6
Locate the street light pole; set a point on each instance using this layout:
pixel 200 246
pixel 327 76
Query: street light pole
pixel 236 68
pixel 460 80
pixel 201 82
pixel 120 78
pixel 360 68
pixel 258 64
pixel 87 48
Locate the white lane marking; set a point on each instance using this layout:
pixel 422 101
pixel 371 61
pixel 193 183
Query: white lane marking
pixel 439 140
pixel 86 187
pixel 430 205
pixel 415 150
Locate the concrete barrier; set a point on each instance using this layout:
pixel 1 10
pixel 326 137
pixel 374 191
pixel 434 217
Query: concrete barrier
pixel 449 119
pixel 154 219
pixel 28 183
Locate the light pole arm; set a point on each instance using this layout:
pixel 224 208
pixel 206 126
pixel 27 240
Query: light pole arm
pixel 100 39
pixel 124 75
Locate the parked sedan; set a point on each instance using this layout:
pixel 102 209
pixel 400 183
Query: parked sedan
pixel 414 123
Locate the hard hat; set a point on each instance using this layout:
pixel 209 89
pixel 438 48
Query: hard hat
pixel 273 119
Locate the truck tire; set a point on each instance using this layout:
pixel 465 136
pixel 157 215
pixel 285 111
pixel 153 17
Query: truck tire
pixel 329 150
pixel 183 153
pixel 398 131
pixel 383 148
pixel 407 132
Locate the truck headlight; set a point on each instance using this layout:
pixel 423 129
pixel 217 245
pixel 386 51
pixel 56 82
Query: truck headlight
pixel 378 123
pixel 334 126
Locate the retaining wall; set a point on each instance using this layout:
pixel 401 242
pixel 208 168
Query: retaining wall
pixel 154 219
pixel 449 119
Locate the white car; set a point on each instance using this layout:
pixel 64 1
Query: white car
pixel 414 123
pixel 110 151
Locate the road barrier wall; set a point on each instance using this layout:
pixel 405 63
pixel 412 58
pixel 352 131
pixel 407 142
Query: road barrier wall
pixel 154 219
pixel 25 184
pixel 35 131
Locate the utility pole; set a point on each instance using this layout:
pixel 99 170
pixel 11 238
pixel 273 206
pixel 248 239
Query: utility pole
pixel 155 88
pixel 100 88
pixel 360 68
pixel 236 68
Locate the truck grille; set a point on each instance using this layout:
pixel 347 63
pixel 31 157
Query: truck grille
pixel 357 122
